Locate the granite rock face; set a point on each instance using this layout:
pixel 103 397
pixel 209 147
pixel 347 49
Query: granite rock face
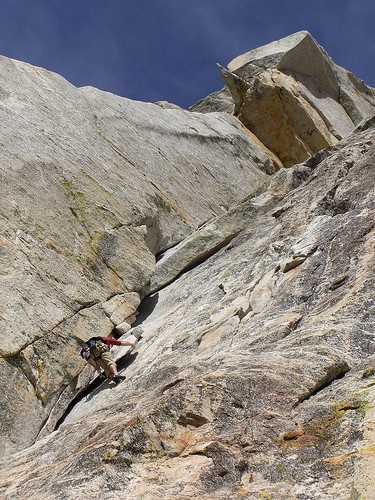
pixel 93 186
pixel 293 97
pixel 252 286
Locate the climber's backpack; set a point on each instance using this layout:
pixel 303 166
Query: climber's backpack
pixel 97 347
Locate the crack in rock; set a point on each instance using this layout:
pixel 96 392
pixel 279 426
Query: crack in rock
pixel 333 373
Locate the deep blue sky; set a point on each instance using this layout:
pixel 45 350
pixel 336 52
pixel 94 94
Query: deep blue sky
pixel 154 50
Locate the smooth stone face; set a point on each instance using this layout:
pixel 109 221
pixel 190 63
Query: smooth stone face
pixel 92 187
pixel 253 374
pixel 245 366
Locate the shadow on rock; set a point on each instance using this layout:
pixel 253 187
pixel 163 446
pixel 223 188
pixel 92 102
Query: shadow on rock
pixel 146 308
pixel 126 361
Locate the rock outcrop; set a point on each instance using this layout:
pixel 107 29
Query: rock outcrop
pixel 293 97
pixel 251 284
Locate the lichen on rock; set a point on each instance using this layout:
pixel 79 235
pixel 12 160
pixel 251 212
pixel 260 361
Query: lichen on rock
pixel 248 285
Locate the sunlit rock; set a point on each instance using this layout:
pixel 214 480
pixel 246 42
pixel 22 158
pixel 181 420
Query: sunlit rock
pixel 248 286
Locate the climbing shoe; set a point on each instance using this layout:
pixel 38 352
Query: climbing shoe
pixel 118 378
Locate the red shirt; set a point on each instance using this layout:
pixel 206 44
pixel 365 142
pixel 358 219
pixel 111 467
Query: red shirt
pixel 110 341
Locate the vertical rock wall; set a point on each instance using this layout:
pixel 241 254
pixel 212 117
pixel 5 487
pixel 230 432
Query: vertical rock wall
pixel 253 376
pixel 93 186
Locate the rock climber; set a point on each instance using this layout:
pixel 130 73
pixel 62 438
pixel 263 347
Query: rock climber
pixel 96 352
